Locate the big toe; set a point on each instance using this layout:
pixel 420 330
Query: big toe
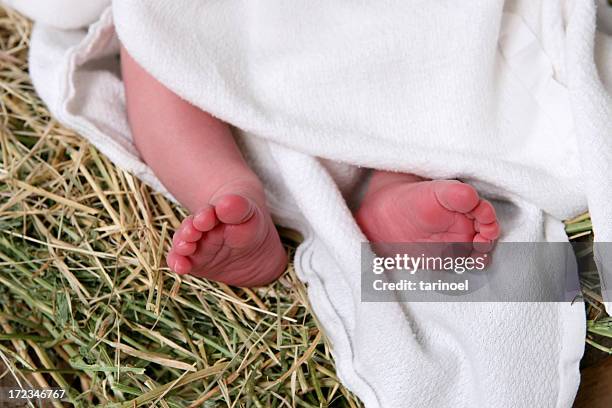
pixel 456 196
pixel 234 209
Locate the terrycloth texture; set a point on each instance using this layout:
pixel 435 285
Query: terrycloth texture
pixel 504 96
pixel 64 14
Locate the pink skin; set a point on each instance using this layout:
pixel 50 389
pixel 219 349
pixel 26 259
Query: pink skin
pixel 445 211
pixel 230 236
pixel 229 240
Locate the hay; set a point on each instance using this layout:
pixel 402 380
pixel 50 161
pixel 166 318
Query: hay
pixel 87 304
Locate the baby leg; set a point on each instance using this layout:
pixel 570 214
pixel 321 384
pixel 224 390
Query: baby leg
pixel 230 237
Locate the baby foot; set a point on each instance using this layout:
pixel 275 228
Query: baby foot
pixel 232 240
pixel 445 211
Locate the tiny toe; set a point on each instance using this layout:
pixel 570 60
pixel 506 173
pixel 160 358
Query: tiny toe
pixel 187 232
pixel 456 196
pixel 176 238
pixel 488 231
pixel 178 263
pixel 234 209
pixel 185 248
pixel 205 219
pixel 482 244
pixel 484 212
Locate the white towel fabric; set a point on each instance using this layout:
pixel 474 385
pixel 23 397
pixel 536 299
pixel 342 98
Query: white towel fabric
pixel 504 95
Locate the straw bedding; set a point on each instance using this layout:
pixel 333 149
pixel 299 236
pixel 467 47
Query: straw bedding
pixel 87 304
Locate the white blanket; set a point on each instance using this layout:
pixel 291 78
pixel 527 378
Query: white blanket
pixel 504 95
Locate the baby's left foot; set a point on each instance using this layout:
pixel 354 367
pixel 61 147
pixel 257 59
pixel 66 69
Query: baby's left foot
pixel 402 208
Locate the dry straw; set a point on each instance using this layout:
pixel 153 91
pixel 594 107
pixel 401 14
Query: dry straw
pixel 87 304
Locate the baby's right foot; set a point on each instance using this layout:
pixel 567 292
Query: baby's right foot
pixel 231 240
